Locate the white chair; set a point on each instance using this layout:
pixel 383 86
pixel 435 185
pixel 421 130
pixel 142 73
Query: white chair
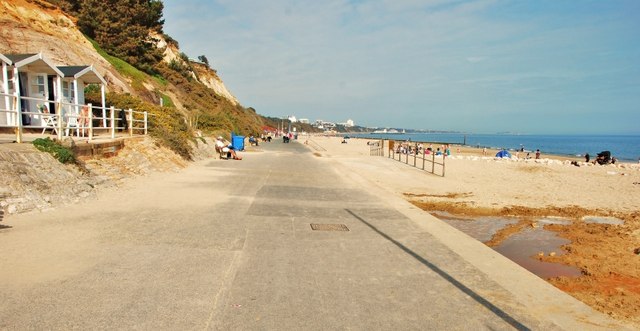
pixel 72 124
pixel 49 121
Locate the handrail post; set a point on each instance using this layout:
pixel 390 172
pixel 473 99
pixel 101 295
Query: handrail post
pixel 146 127
pixel 423 159
pixel 130 122
pixel 60 119
pixel 59 106
pixel 90 115
pixel 415 154
pixel 433 163
pixel 18 109
pixel 443 159
pixel 113 122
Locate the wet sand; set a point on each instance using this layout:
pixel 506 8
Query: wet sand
pixel 476 185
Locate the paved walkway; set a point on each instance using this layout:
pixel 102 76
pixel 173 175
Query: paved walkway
pixel 228 245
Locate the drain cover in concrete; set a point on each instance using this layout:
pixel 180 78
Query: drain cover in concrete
pixel 328 227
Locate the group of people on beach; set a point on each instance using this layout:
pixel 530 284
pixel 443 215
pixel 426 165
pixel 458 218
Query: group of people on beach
pixel 417 149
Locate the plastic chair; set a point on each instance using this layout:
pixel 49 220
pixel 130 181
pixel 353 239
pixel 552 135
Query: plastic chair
pixel 50 120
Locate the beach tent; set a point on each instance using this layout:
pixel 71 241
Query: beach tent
pixel 503 153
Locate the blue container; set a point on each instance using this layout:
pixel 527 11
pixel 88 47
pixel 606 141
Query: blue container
pixel 237 142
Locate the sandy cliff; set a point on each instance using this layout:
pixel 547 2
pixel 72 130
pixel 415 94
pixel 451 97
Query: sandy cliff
pixel 27 27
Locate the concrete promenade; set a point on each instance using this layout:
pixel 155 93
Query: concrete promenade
pixel 228 245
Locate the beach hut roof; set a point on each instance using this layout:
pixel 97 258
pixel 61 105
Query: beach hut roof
pixel 88 74
pixel 35 62
pixel 5 59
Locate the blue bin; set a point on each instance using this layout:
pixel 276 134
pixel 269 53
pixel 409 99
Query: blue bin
pixel 237 142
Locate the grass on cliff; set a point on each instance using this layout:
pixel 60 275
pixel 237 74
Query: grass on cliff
pixel 137 76
pixel 166 124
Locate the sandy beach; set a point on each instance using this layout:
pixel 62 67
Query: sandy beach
pixel 477 185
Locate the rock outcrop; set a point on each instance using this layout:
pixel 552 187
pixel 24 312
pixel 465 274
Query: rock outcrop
pixel 202 72
pixel 31 180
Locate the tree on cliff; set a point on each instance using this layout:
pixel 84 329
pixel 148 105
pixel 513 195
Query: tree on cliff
pixel 121 27
pixel 203 59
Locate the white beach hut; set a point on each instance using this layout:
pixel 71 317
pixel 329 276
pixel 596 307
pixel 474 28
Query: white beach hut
pixel 74 81
pixel 34 82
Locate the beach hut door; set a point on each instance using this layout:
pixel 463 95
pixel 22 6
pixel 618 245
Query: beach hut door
pixel 51 86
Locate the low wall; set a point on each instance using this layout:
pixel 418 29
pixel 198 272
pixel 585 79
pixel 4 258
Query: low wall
pixel 100 149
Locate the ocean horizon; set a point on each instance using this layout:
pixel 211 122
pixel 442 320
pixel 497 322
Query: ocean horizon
pixel 623 147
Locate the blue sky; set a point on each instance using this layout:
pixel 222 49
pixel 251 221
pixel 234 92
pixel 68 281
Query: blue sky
pixel 484 66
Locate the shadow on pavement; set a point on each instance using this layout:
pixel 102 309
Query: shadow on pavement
pixel 497 311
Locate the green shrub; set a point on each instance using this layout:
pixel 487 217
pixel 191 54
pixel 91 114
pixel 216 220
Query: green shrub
pixel 166 124
pixel 61 153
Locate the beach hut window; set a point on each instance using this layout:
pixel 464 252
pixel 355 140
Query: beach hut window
pixel 11 81
pixel 67 91
pixel 39 85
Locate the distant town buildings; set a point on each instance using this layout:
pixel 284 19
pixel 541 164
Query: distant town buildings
pixel 326 125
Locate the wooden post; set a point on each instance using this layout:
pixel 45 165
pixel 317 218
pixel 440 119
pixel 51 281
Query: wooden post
pixel 146 127
pixel 90 121
pixel 104 105
pixel 423 159
pixel 113 122
pixel 433 163
pixel 130 122
pixel 443 158
pixel 59 106
pixel 5 90
pixel 17 105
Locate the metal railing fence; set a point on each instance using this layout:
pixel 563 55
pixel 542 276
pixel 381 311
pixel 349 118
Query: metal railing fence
pixel 412 154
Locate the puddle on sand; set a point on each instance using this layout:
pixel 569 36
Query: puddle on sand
pixel 553 220
pixel 521 248
pixel 603 220
pixel 479 228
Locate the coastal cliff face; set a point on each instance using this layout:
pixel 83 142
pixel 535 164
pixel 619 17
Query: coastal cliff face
pixel 210 78
pixel 37 26
pixel 201 72
pixel 33 28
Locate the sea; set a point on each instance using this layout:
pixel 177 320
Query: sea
pixel 623 147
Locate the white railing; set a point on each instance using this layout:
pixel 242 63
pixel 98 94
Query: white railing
pixel 69 118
